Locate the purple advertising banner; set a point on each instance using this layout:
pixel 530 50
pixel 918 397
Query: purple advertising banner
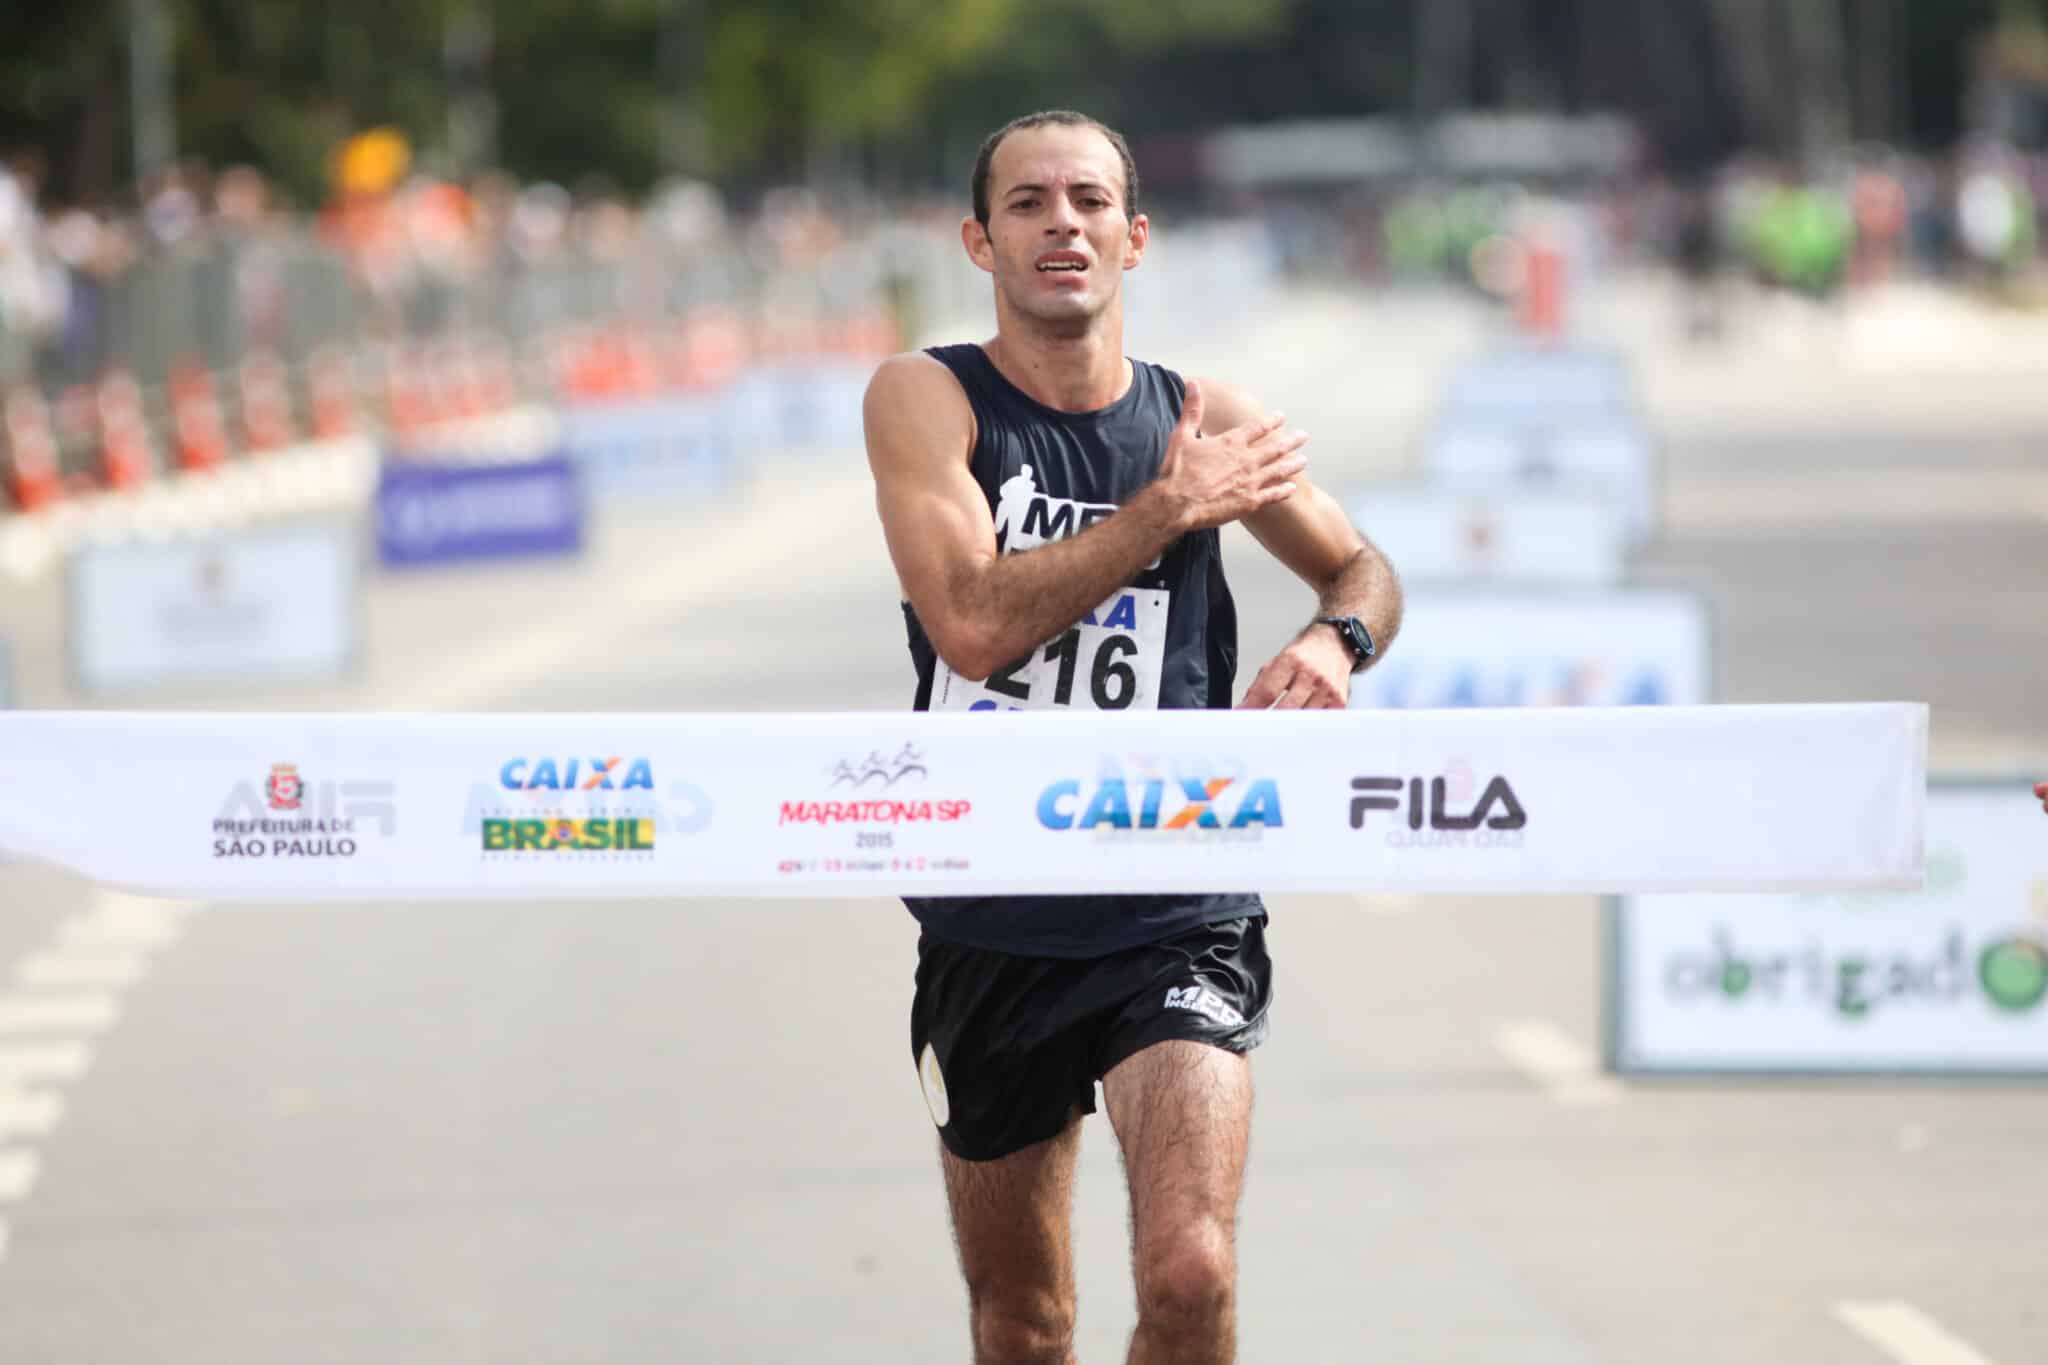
pixel 431 513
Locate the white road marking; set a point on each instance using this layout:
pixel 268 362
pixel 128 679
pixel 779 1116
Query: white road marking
pixel 99 936
pixel 119 907
pixel 58 1013
pixel 1552 1058
pixel 120 923
pixel 43 1062
pixel 1906 1334
pixel 19 1167
pixel 105 946
pixel 1389 903
pixel 46 969
pixel 29 1113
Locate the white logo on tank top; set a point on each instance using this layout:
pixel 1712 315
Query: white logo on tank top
pixel 1027 518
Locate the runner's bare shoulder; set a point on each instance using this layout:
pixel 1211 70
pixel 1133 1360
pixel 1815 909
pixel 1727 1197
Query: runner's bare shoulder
pixel 916 413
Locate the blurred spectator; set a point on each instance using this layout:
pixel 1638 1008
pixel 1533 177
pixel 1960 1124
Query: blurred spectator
pixel 31 280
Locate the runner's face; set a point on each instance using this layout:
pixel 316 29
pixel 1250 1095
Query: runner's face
pixel 1059 235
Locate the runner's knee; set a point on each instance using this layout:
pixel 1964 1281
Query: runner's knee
pixel 1035 1328
pixel 1189 1278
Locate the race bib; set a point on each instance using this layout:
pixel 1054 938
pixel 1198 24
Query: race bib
pixel 1110 661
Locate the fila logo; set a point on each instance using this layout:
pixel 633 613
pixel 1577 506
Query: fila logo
pixel 1205 1002
pixel 1384 793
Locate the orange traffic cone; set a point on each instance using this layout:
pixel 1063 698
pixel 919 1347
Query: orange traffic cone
pixel 200 434
pixel 266 402
pixel 126 457
pixel 408 401
pixel 33 476
pixel 332 381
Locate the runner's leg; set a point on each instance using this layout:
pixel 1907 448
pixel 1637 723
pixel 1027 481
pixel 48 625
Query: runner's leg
pixel 1013 1225
pixel 1182 1113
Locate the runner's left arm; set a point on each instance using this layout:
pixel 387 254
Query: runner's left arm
pixel 1310 534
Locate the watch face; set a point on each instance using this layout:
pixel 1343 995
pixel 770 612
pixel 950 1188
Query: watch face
pixel 1361 643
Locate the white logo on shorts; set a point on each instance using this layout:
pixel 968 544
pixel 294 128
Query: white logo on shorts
pixel 1205 1002
pixel 934 1083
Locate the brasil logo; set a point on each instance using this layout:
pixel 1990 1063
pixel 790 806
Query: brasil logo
pixel 2014 974
pixel 568 836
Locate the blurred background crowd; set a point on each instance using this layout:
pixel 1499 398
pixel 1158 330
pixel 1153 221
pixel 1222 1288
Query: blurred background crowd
pixel 186 187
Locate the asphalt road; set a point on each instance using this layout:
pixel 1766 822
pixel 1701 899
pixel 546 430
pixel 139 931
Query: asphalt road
pixel 692 1132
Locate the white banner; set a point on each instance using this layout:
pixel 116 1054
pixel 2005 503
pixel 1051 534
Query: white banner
pixel 1491 646
pixel 1446 533
pixel 257 606
pixel 1543 383
pixel 1951 978
pixel 291 807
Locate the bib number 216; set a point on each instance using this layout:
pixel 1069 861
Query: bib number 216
pixel 1109 661
pixel 1112 682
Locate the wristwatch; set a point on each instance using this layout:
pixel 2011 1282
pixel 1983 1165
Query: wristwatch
pixel 1355 636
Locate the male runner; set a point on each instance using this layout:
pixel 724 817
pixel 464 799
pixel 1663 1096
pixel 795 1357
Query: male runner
pixel 1052 511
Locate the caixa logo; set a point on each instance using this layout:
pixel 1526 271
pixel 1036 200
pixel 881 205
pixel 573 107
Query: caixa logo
pixel 1495 820
pixel 532 793
pixel 1187 803
pixel 576 775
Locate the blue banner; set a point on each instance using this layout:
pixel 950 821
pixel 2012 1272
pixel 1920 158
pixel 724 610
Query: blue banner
pixel 430 513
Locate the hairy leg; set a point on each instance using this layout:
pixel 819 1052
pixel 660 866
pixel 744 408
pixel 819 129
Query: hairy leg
pixel 1182 1113
pixel 1013 1225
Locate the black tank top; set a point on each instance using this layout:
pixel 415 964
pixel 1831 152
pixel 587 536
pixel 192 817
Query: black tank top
pixel 1048 474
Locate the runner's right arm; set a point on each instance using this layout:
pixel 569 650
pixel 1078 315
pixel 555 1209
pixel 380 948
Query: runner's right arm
pixel 983 609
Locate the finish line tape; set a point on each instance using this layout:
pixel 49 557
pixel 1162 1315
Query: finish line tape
pixel 305 807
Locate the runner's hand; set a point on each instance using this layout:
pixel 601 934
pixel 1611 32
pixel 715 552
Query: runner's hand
pixel 1214 480
pixel 1313 673
pixel 2041 790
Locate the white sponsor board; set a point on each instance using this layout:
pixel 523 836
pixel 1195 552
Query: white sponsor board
pixel 1510 453
pixel 1951 978
pixel 1491 647
pixel 1443 533
pixel 261 606
pixel 1535 417
pixel 377 807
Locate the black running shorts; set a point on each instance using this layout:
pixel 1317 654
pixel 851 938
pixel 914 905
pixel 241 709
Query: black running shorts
pixel 1008 1047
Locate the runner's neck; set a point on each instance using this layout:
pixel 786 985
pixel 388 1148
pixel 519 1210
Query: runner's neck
pixel 1071 374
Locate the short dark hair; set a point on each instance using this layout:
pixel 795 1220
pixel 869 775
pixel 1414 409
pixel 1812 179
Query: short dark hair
pixel 1062 118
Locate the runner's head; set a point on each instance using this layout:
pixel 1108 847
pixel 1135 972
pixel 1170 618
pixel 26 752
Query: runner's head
pixel 1055 216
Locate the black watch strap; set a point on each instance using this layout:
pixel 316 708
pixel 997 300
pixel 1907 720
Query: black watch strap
pixel 1355 636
